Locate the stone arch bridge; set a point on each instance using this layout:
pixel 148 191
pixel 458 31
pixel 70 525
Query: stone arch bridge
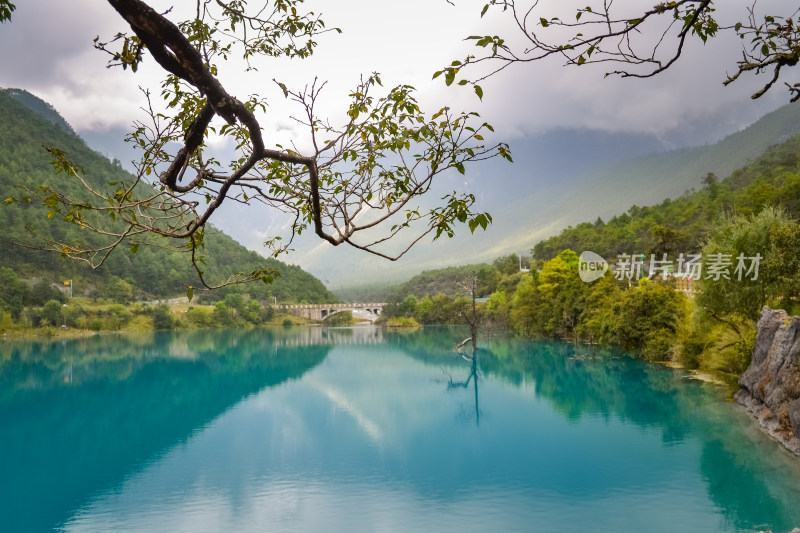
pixel 362 311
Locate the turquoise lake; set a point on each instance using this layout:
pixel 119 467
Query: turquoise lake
pixel 358 429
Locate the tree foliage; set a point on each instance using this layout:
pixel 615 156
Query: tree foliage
pixel 6 8
pixel 774 237
pixel 630 39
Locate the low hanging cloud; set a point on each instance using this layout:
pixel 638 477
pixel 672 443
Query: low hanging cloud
pixel 47 49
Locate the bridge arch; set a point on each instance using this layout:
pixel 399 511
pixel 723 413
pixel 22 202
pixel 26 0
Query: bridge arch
pixel 320 312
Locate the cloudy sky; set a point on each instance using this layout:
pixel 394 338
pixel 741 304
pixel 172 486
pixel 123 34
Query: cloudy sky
pixel 47 50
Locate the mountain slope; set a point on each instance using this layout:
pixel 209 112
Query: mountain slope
pixel 643 181
pixel 154 271
pixel 40 107
pixel 534 199
pixel 680 225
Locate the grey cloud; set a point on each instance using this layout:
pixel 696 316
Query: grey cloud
pixel 44 37
pixel 48 48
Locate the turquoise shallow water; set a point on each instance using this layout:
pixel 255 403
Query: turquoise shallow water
pixel 361 430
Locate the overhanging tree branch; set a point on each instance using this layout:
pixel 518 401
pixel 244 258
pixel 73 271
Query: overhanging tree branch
pixel 642 43
pixel 358 179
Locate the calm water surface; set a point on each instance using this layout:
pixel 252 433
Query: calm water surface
pixel 361 430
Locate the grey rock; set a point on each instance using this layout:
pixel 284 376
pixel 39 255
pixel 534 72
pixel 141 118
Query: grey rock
pixel 770 387
pixel 794 417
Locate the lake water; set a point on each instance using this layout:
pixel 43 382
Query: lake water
pixel 362 430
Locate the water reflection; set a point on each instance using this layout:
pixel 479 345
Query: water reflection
pixel 77 416
pixel 354 429
pixel 471 377
pixel 748 477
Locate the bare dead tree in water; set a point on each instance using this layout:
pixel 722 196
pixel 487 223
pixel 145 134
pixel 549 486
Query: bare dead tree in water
pixel 471 318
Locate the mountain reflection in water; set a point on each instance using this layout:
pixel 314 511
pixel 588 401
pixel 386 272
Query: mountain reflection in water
pixel 356 429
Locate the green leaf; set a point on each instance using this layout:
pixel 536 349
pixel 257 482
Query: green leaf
pixel 284 89
pixel 479 91
pixel 543 22
pixel 765 49
pixel 190 293
pixel 51 200
pixel 134 248
pixel 485 9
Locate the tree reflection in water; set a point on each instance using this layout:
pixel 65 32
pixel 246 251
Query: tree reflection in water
pixel 473 376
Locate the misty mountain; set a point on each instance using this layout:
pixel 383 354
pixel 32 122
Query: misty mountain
pixel 562 180
pixel 612 189
pixel 559 178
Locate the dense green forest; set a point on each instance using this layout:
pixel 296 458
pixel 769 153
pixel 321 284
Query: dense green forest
pixel 27 124
pixel 710 326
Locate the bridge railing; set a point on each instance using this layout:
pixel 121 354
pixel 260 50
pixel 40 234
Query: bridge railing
pixel 332 306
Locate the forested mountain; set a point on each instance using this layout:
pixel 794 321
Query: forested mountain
pixel 536 197
pixel 681 224
pixel 40 107
pixel 27 124
pixel 452 281
pixel 548 204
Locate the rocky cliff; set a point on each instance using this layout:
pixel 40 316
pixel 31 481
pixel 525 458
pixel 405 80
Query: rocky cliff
pixel 770 387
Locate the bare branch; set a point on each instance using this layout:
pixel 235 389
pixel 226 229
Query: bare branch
pixel 642 43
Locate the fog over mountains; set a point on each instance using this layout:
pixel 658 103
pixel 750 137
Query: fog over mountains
pixel 559 178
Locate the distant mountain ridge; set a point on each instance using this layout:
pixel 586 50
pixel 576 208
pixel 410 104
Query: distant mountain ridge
pixel 40 107
pixel 611 190
pixel 559 179
pixel 530 202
